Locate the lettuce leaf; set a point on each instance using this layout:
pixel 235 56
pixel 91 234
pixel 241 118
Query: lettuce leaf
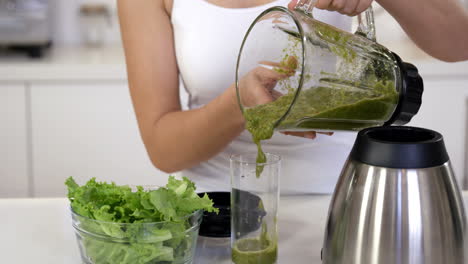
pixel 105 241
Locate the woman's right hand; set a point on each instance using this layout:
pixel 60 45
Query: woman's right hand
pixel 257 86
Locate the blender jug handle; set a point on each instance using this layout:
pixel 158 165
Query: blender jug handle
pixel 366 26
pixel 305 6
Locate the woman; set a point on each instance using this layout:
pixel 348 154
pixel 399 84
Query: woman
pixel 199 40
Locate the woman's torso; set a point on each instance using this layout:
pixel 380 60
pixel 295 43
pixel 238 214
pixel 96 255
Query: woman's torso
pixel 207 41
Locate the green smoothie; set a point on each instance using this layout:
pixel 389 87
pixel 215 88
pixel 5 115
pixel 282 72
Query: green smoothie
pixel 253 251
pixel 325 108
pixel 330 108
pixel 261 122
pixel 261 250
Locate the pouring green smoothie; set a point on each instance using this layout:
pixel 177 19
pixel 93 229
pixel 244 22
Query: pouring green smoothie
pixel 318 78
pixel 320 108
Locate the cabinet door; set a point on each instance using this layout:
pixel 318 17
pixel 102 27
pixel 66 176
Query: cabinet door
pixel 13 141
pixel 444 110
pixel 86 130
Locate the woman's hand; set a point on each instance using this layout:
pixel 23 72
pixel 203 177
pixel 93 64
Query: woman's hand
pixel 257 86
pixel 346 7
pixel 308 134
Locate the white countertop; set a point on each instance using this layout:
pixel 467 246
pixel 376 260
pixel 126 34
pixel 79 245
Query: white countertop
pixel 42 228
pixel 40 231
pixel 108 63
pixel 65 63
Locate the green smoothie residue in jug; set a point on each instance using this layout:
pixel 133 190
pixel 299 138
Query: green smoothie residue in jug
pixel 336 40
pixel 324 36
pixel 261 250
pixel 349 109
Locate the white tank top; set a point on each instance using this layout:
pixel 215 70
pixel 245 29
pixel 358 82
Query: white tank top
pixel 207 41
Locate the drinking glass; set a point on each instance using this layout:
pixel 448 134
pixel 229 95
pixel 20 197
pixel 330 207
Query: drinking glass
pixel 254 209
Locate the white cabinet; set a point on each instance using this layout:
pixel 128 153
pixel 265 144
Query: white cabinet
pixel 444 109
pixel 13 141
pixel 84 130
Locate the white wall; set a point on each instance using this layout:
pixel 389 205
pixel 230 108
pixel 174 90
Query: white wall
pixel 84 130
pixel 66 24
pixel 444 109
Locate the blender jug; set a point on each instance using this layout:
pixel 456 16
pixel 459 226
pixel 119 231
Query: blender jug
pixel 318 77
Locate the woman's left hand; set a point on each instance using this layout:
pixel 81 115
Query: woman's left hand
pixel 345 7
pixel 308 134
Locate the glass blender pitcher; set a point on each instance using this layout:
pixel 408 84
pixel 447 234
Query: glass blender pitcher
pixel 319 77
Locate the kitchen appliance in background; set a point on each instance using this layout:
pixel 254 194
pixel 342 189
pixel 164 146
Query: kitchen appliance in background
pixel 25 25
pixel 96 20
pixel 396 201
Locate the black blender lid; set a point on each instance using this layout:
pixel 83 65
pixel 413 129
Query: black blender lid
pixel 219 225
pixel 400 147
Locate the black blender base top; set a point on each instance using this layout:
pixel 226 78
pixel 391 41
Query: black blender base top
pixel 213 224
pixel 400 147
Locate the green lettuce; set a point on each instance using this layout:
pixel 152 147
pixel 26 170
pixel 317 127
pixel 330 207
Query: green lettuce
pixel 106 242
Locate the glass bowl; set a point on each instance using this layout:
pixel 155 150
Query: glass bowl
pixel 167 242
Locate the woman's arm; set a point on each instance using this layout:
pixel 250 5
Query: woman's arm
pixel 439 27
pixel 174 139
